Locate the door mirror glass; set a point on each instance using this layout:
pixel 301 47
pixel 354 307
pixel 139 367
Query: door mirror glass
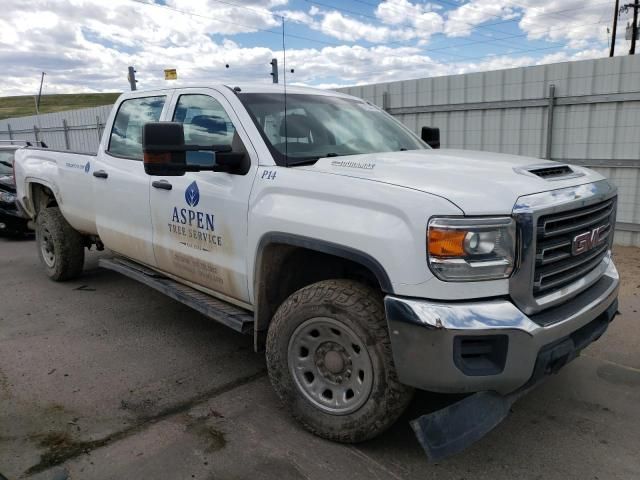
pixel 431 136
pixel 201 158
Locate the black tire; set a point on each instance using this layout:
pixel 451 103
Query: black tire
pixel 361 310
pixel 60 247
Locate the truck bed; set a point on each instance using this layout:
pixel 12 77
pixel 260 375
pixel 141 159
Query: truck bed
pixel 67 174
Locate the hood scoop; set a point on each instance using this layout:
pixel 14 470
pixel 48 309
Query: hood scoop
pixel 550 172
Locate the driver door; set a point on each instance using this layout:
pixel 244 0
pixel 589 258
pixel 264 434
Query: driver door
pixel 200 219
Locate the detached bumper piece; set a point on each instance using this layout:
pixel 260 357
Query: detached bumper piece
pixel 451 430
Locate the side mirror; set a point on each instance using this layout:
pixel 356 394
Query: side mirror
pixel 431 136
pixel 163 149
pixel 166 154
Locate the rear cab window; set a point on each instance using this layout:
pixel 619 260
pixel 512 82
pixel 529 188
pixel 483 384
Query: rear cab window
pixel 126 134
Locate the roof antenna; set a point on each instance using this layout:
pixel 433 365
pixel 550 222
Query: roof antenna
pixel 284 75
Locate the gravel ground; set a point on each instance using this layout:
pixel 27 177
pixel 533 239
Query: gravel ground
pixel 103 378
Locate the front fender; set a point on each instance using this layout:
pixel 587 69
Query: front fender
pixel 377 221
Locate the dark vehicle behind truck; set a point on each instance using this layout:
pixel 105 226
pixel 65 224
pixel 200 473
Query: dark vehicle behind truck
pixel 12 220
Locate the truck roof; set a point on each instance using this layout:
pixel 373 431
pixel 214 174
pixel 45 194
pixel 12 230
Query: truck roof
pixel 249 88
pixel 279 88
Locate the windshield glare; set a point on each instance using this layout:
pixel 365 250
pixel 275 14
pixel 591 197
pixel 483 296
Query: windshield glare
pixel 6 162
pixel 322 125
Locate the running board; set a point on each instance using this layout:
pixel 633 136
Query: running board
pixel 234 317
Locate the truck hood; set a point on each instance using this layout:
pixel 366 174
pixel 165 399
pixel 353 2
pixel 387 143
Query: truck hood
pixel 479 183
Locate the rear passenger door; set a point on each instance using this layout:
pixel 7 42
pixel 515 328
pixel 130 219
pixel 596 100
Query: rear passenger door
pixel 200 219
pixel 121 186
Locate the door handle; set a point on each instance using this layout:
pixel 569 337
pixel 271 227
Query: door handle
pixel 100 174
pixel 162 184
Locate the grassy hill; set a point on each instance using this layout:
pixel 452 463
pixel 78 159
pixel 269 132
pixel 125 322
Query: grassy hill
pixel 25 105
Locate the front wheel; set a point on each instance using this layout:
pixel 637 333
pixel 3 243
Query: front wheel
pixel 329 360
pixel 60 247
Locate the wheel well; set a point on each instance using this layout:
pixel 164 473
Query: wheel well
pixel 42 197
pixel 283 269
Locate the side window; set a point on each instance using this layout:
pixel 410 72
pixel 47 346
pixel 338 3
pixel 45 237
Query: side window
pixel 205 121
pixel 126 134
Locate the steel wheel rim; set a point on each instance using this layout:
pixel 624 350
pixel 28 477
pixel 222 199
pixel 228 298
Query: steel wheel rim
pixel 330 365
pixel 46 248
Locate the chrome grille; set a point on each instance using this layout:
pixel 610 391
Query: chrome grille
pixel 555 264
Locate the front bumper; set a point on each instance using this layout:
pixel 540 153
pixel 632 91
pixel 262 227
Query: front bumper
pixel 464 347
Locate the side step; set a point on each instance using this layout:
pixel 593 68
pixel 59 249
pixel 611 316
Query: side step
pixel 230 315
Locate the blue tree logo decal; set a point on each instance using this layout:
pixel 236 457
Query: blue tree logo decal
pixel 192 195
pixel 87 167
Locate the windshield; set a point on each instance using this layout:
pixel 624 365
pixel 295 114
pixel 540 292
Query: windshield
pixel 6 162
pixel 325 126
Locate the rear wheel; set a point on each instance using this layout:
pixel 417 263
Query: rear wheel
pixel 329 360
pixel 60 247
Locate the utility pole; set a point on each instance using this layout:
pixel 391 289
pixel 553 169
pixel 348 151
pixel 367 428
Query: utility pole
pixel 274 69
pixel 634 28
pixel 616 14
pixel 132 78
pixel 40 92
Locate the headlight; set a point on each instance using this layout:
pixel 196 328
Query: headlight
pixel 7 197
pixel 469 249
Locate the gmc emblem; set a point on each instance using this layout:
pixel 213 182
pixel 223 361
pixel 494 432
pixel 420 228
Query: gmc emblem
pixel 588 240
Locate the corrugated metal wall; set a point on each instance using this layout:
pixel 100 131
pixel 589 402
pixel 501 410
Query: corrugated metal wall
pixel 596 117
pixel 78 130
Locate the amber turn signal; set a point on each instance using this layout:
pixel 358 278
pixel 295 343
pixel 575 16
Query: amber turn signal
pixel 162 158
pixel 446 242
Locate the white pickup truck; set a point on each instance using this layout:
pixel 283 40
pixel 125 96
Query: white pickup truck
pixel 365 262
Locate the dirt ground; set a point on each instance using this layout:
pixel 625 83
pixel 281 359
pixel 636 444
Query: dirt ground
pixel 103 378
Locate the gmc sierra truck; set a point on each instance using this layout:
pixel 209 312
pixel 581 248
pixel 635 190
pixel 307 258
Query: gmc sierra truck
pixel 364 262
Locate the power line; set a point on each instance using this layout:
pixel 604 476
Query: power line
pixel 337 44
pixel 353 12
pixel 519 35
pixel 593 6
pixel 194 14
pixel 422 51
pixel 399 8
pixel 291 35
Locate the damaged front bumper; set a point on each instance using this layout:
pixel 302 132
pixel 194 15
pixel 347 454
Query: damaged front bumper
pixel 465 347
pixel 491 349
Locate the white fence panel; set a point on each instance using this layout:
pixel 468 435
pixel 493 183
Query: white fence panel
pixel 77 130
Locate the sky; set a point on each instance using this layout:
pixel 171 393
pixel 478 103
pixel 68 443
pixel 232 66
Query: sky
pixel 87 45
